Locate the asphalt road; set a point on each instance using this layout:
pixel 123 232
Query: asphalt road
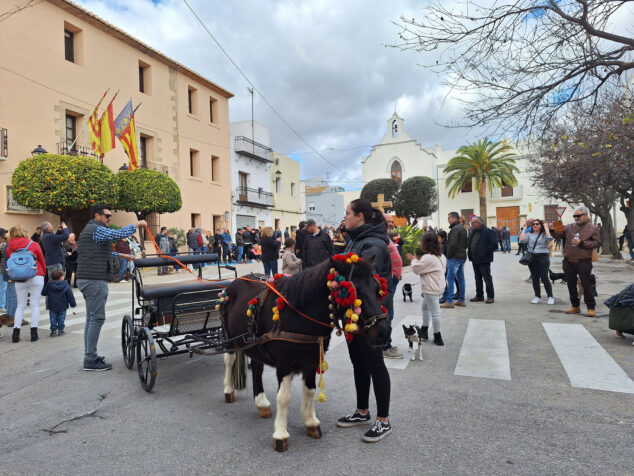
pixel 523 416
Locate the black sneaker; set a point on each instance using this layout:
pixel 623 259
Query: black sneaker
pixel 378 431
pixel 353 419
pixel 53 333
pixel 60 333
pixel 98 365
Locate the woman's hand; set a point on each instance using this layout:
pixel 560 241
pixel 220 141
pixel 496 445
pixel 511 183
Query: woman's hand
pixel 410 256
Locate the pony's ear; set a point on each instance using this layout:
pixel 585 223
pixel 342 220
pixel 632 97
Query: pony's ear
pixel 369 260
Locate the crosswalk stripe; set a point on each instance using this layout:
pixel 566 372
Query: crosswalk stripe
pixel 587 364
pixel 111 313
pixel 484 351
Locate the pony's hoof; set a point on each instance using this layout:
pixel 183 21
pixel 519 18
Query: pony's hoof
pixel 265 412
pixel 280 445
pixel 230 397
pixel 314 432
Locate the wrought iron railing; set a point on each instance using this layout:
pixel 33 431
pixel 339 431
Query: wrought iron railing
pixel 255 150
pixel 64 149
pixel 154 166
pixel 507 192
pixel 255 197
pixel 4 143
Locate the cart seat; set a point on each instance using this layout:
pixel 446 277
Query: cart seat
pixel 156 291
pixel 164 329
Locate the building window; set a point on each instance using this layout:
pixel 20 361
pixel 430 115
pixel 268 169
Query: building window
pixel 466 212
pixel 467 187
pixel 550 213
pixel 192 96
pixel 212 109
pixel 278 185
pixel 215 168
pixel 145 150
pixel 194 166
pixel 71 129
pixel 507 191
pixel 195 220
pixel 69 46
pixel 292 189
pixel 396 172
pixel 311 207
pixel 145 85
pixel 243 180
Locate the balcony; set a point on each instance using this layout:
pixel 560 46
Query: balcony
pixel 255 197
pixel 250 148
pixel 4 144
pixel 154 166
pixel 79 151
pixel 507 193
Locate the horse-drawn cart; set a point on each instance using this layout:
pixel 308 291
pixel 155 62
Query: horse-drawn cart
pixel 171 318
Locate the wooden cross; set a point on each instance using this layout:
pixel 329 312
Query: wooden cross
pixel 380 203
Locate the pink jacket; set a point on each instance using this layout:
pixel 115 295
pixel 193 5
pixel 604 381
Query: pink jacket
pixel 431 269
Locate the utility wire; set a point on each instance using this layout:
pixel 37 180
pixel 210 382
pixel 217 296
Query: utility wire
pixel 260 93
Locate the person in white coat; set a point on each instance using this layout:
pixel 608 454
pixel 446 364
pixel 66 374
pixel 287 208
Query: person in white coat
pixel 431 268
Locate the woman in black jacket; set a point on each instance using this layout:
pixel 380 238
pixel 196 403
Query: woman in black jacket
pixel 270 251
pixel 367 237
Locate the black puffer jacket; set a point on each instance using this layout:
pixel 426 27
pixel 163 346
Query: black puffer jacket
pixel 371 241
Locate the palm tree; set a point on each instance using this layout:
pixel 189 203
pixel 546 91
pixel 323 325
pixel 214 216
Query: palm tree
pixel 487 164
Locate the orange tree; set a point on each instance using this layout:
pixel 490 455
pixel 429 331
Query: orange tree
pixel 64 185
pixel 144 191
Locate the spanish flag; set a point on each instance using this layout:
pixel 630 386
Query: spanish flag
pixel 94 127
pixel 106 129
pixel 126 132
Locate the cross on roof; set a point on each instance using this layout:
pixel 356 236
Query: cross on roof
pixel 380 203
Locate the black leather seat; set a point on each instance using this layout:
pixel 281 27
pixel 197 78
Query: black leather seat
pixel 156 291
pixel 154 262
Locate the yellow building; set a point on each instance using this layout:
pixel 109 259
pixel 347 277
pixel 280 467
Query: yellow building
pixel 57 61
pixel 287 194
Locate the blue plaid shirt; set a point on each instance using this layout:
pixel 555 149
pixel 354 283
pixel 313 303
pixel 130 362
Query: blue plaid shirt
pixel 103 234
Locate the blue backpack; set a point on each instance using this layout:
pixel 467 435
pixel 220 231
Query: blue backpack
pixel 21 265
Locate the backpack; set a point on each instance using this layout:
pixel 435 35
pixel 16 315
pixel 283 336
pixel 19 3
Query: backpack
pixel 21 265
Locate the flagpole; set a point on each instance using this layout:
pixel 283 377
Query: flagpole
pixel 137 107
pixel 86 123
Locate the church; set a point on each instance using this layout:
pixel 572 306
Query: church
pixel 400 156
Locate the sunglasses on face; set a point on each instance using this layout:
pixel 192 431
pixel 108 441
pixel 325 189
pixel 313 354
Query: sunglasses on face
pixel 536 224
pixel 107 215
pixel 578 216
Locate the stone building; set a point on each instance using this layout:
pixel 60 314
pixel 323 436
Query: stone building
pixel 57 61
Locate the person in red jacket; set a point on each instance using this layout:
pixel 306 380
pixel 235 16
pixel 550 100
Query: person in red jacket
pixel 18 239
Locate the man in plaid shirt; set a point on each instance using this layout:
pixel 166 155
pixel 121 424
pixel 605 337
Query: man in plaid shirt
pixel 397 269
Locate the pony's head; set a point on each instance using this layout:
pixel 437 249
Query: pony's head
pixel 356 295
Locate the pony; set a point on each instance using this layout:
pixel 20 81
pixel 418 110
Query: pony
pixel 295 341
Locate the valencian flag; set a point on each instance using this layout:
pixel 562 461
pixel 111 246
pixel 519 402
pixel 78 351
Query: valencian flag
pixel 94 127
pixel 106 129
pixel 126 132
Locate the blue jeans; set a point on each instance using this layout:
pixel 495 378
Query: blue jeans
pixel 506 245
pixel 388 302
pixel 95 294
pixel 57 320
pixel 12 299
pixel 123 265
pixel 455 269
pixel 3 293
pixel 240 253
pixel 270 267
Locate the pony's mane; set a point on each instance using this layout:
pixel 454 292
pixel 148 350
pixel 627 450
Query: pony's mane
pixel 304 286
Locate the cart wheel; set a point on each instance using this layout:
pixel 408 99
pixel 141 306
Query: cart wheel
pixel 146 358
pixel 128 341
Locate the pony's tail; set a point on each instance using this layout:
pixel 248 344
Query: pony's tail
pixel 239 374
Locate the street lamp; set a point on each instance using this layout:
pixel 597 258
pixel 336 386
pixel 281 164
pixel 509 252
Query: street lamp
pixel 124 168
pixel 39 150
pixel 226 217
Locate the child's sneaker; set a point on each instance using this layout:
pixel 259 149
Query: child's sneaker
pixel 53 334
pixel 378 431
pixel 61 332
pixel 353 419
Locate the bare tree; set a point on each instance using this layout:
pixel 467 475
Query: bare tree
pixel 587 158
pixel 516 65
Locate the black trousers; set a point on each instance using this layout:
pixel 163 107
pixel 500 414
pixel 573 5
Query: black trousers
pixel 71 267
pixel 583 269
pixel 368 365
pixel 539 270
pixel 482 272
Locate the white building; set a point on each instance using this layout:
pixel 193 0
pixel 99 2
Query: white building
pixel 251 159
pixel 288 209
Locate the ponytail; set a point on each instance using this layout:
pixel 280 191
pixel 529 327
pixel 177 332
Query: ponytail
pixel 371 215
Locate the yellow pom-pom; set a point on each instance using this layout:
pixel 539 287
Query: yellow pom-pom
pixel 217 307
pixel 354 318
pixel 354 258
pixel 324 366
pixel 348 261
pixel 222 299
pixel 276 317
pixel 249 313
pixel 332 270
pixel 275 310
pixel 321 384
pixel 348 313
pixel 357 303
pixel 353 327
pixel 321 397
pixel 329 284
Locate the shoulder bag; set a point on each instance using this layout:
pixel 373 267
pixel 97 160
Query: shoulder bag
pixel 528 257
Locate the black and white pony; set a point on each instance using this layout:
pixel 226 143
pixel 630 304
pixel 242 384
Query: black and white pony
pixel 292 343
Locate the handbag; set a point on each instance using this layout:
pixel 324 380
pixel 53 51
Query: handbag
pixel 528 257
pixel 621 318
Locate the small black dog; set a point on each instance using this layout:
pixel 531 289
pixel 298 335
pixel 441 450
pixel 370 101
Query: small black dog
pixel 555 276
pixel 414 334
pixel 407 291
